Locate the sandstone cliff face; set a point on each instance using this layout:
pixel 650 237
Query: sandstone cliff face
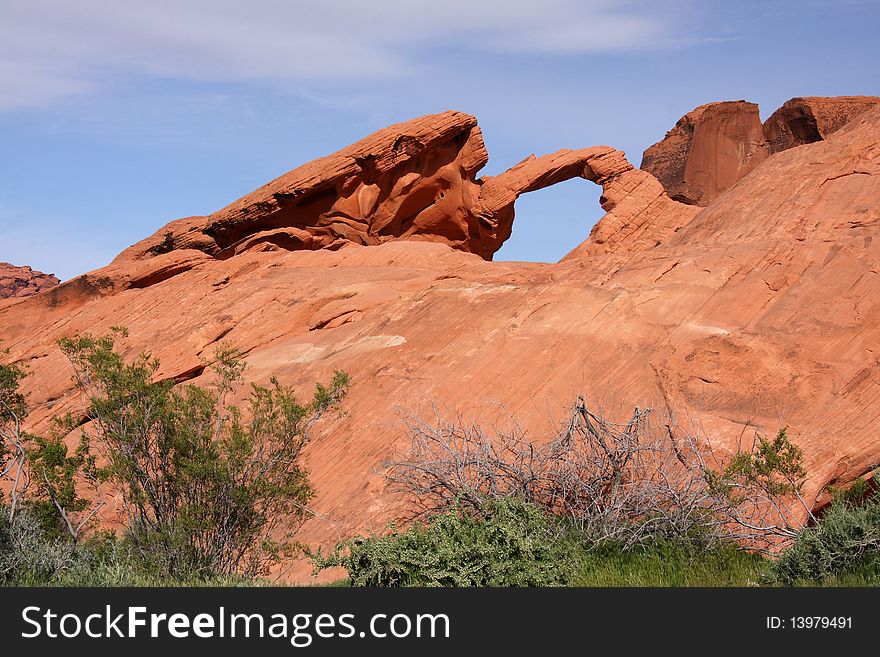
pixel 759 311
pixel 806 120
pixel 707 151
pixel 712 147
pixel 19 282
pixel 781 277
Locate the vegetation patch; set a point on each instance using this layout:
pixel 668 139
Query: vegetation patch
pixel 210 491
pixel 841 549
pixel 513 543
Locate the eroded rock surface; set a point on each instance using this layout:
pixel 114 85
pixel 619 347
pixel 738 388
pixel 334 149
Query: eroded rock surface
pixel 414 181
pixel 19 282
pixel 709 149
pixel 810 119
pixel 712 147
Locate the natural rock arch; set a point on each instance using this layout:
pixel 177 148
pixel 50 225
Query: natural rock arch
pixel 637 209
pixel 551 221
pixel 413 180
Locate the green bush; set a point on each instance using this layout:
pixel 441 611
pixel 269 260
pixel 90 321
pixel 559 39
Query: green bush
pixel 514 544
pixel 33 553
pixel 844 545
pixel 520 545
pixel 209 490
pixel 213 493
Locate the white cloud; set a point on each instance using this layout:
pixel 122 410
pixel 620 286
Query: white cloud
pixel 25 84
pixel 54 48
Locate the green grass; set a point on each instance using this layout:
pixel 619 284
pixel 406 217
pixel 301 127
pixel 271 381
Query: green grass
pixel 671 565
pixel 344 583
pixel 132 580
pixel 668 564
pixel 665 565
pixel 860 576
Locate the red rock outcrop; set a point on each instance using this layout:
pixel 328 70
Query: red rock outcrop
pixel 806 120
pixel 759 311
pixel 19 282
pixel 712 147
pixel 708 150
pixel 407 180
pixel 639 216
pixel 414 180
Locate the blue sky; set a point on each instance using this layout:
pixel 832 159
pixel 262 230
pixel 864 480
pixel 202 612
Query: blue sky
pixel 117 117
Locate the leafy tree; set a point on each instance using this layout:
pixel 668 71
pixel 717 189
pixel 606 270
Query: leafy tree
pixel 209 488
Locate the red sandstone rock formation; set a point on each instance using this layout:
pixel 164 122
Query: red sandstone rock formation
pixel 19 282
pixel 711 148
pixel 708 150
pixel 806 120
pixel 759 311
pixel 407 180
pixel 414 180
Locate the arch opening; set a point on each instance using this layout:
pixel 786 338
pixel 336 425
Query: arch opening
pixel 550 222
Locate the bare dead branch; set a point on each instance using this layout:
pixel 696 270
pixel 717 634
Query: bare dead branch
pixel 628 482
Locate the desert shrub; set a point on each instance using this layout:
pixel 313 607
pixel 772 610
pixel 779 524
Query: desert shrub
pixel 209 489
pixel 29 554
pixel 12 403
pixel 34 554
pixel 57 476
pixel 774 464
pixel 103 559
pixel 512 543
pixel 213 493
pixel 844 542
pixel 629 482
